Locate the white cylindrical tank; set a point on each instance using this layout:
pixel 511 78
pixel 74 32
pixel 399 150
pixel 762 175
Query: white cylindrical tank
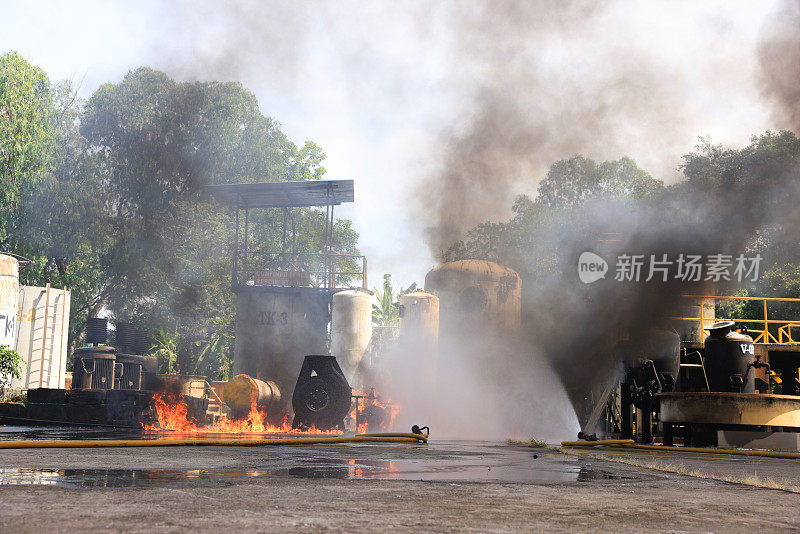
pixel 351 328
pixel 9 300
pixel 419 332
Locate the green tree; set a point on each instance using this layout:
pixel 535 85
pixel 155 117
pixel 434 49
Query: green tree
pixel 10 363
pixel 26 127
pixel 123 219
pixel 571 182
pixel 385 312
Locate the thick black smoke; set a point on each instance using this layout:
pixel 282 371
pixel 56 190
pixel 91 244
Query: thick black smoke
pixel 779 59
pixel 522 120
pixel 549 80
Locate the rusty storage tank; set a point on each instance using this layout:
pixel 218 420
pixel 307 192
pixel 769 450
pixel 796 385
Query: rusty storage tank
pixel 419 327
pixel 276 327
pixel 477 295
pixel 243 392
pixel 728 359
pixel 93 368
pixel 351 328
pixel 9 300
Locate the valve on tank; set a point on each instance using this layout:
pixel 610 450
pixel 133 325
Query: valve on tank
pixel 322 395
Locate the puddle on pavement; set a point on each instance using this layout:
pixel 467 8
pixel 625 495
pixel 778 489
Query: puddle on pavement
pixel 376 470
pixel 436 462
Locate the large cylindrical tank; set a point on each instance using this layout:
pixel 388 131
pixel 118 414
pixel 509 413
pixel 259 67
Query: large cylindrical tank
pixel 419 328
pixel 694 310
pixel 351 328
pixel 728 355
pixel 9 300
pixel 477 296
pixel 242 392
pixel 276 327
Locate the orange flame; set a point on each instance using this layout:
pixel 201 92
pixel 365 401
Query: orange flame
pixel 373 399
pixel 173 417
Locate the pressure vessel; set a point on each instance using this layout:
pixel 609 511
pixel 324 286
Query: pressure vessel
pixel 351 328
pixel 728 355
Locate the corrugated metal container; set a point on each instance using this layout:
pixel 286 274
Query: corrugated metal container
pixel 351 328
pixel 477 296
pixel 94 367
pixel 43 329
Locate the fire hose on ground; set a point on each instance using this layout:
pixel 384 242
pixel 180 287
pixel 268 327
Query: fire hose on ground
pixel 389 437
pixel 630 444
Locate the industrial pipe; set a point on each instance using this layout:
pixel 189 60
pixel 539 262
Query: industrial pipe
pixel 102 443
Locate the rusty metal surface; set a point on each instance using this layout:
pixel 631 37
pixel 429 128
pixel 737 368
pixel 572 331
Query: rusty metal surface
pixel 730 408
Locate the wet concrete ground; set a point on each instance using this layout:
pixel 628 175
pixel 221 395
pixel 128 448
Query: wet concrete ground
pixel 438 487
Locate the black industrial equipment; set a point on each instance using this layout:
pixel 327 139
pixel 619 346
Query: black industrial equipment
pixel 142 342
pixel 729 356
pixel 322 396
pixel 128 371
pixel 93 368
pixel 652 364
pixel 125 338
pixel 96 331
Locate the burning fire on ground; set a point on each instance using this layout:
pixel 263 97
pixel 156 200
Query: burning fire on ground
pixel 369 413
pixel 173 416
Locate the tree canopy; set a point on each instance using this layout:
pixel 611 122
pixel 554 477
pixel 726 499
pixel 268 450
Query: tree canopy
pixel 118 211
pixel 571 182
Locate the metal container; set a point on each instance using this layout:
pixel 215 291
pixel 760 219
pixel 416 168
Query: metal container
pixel 418 338
pixel 694 310
pixel 276 328
pixel 477 296
pixel 9 300
pixel 728 355
pixel 192 385
pixel 125 337
pixel 93 368
pixel 242 392
pixel 351 328
pixel 128 371
pixel 97 330
pixel 142 342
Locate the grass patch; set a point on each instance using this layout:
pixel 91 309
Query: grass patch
pixel 533 442
pixel 680 469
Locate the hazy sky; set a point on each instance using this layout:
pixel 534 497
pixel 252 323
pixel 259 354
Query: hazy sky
pixel 383 87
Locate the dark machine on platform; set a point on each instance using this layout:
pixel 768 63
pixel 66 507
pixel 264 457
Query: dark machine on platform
pixel 689 393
